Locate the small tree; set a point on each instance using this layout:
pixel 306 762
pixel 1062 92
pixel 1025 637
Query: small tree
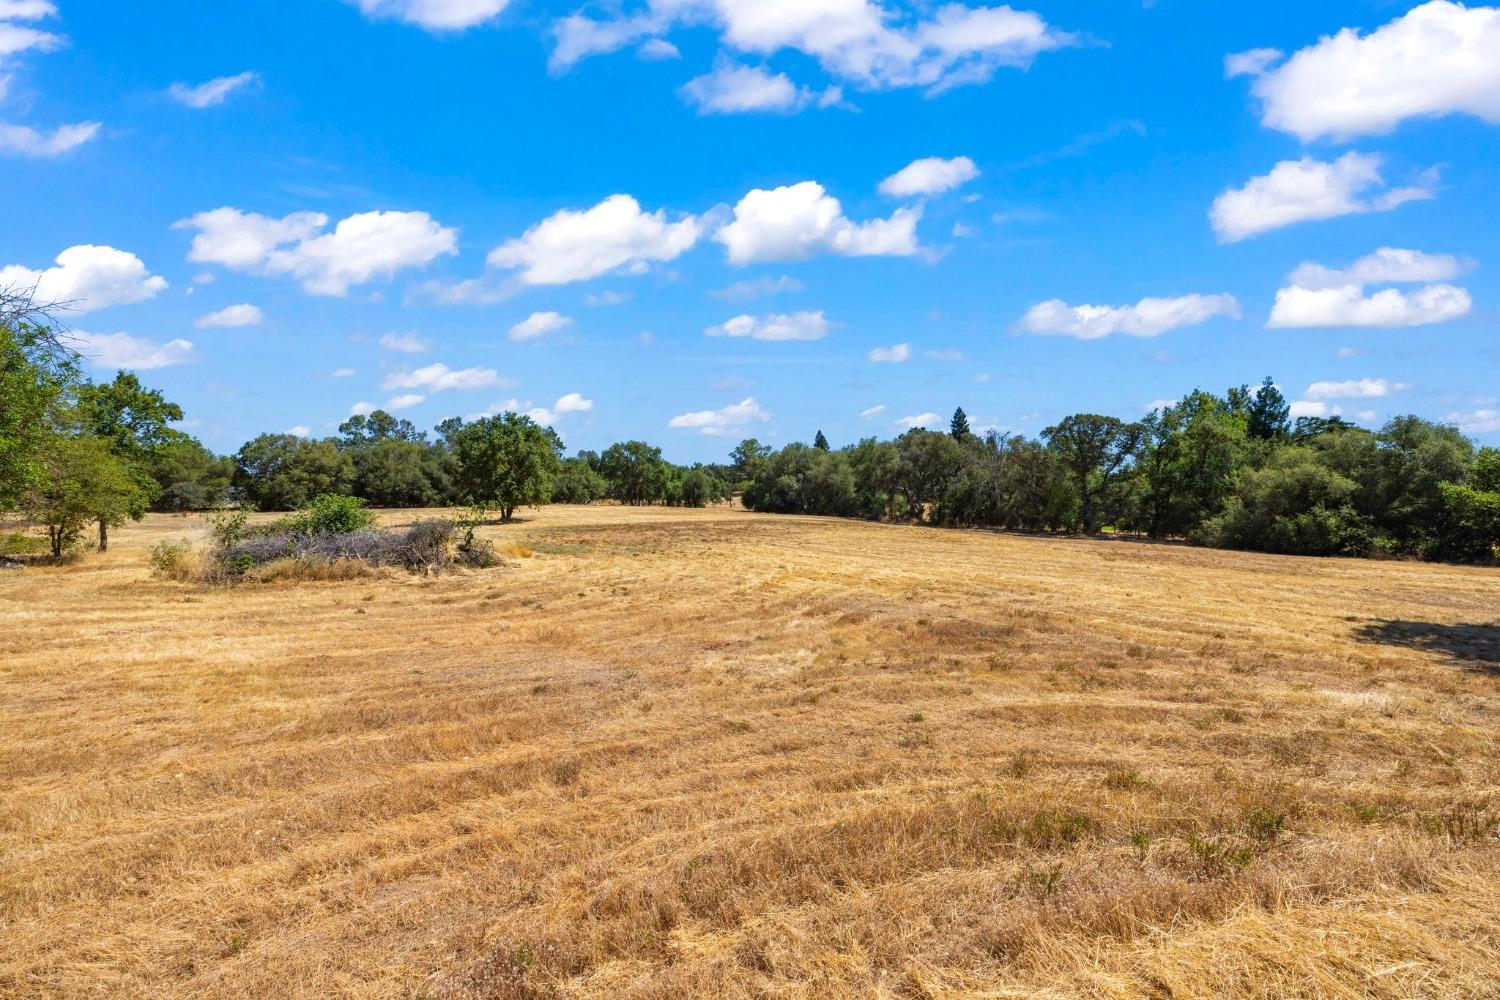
pixel 507 462
pixel 959 426
pixel 1098 451
pixel 820 442
pixel 133 420
pixel 82 481
pixel 1269 416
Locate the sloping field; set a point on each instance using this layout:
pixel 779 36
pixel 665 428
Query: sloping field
pixel 700 754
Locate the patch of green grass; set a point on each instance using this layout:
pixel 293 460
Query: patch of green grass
pixel 15 543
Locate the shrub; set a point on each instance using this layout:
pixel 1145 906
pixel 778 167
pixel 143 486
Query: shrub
pixel 175 560
pixel 331 514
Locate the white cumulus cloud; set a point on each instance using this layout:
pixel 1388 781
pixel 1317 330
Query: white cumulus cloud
pixel 872 412
pixel 214 92
pixel 539 324
pixel 438 377
pixel 435 15
pixel 893 355
pixel 919 420
pixel 776 326
pixel 23 140
pixel 231 316
pixel 732 89
pixel 720 422
pixel 796 221
pixel 1364 388
pixel 1150 317
pixel 1306 190
pixel 405 343
pixel 931 175
pixel 359 249
pixel 1439 58
pixel 121 350
pixel 614 235
pixel 573 402
pixel 87 277
pixel 404 402
pixel 1320 296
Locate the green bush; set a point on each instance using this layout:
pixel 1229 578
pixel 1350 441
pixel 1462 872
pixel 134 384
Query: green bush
pixel 174 560
pixel 331 514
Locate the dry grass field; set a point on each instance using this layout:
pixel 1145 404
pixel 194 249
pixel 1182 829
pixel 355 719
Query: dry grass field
pixel 674 754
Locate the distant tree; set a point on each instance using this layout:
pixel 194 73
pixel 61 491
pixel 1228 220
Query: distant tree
pixel 507 462
pixel 83 480
pixel 958 427
pixel 746 459
pixel 697 489
pixel 925 462
pixel 820 442
pixel 446 430
pixel 189 476
pixel 1269 413
pixel 1097 451
pixel 1307 428
pixel 38 381
pixel 285 472
pixel 635 472
pixel 134 421
pixel 362 429
pixel 579 483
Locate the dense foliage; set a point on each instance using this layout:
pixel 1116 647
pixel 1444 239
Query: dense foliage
pixel 1231 471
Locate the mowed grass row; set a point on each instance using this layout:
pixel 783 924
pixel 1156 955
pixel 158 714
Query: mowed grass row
pixel 676 753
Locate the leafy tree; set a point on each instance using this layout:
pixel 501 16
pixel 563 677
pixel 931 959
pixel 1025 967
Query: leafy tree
pixel 400 472
pixel 82 480
pixel 746 458
pixel 579 483
pixel 1296 505
pixel 635 472
pixel 1189 453
pixel 507 462
pixel 1097 451
pixel 134 421
pixel 820 442
pixel 698 489
pixel 1269 413
pixel 37 386
pixel 188 475
pixel 1469 526
pixel 925 461
pixel 958 427
pixel 379 425
pixel 285 472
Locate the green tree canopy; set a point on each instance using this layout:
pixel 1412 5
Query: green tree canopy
pixel 507 462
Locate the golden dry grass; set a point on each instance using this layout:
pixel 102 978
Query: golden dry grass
pixel 712 754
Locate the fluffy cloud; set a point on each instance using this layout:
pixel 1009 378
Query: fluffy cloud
pixel 1364 388
pixel 23 140
pixel 405 343
pixel 794 222
pixel 893 355
pixel 1387 265
pixel 1319 296
pixel 733 89
pixel 438 377
pixel 404 402
pixel 872 412
pixel 301 431
pixel 919 420
pixel 1251 63
pixel 361 409
pixel 357 250
pixel 1305 190
pixel 932 175
pixel 435 15
pixel 860 41
pixel 231 316
pixel 1482 421
pixel 87 277
pixel 614 235
pixel 121 350
pixel 1439 58
pixel 1350 306
pixel 571 403
pixel 727 420
pixel 539 324
pixel 776 326
pixel 1312 408
pixel 214 92
pixel 1149 317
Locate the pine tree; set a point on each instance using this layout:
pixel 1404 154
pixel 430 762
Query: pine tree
pixel 959 428
pixel 820 442
pixel 1269 412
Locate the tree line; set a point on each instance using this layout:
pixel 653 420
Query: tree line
pixel 1230 470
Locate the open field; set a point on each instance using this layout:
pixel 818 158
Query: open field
pixel 681 753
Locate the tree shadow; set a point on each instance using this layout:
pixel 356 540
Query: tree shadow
pixel 1469 645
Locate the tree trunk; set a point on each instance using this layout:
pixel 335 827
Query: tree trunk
pixel 103 535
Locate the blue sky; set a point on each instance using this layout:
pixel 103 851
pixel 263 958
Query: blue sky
pixel 691 221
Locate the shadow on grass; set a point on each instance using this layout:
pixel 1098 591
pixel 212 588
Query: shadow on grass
pixel 1471 646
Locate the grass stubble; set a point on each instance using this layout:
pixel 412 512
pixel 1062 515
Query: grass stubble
pixel 671 754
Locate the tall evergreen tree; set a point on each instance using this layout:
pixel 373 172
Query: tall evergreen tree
pixel 959 427
pixel 1270 414
pixel 820 442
